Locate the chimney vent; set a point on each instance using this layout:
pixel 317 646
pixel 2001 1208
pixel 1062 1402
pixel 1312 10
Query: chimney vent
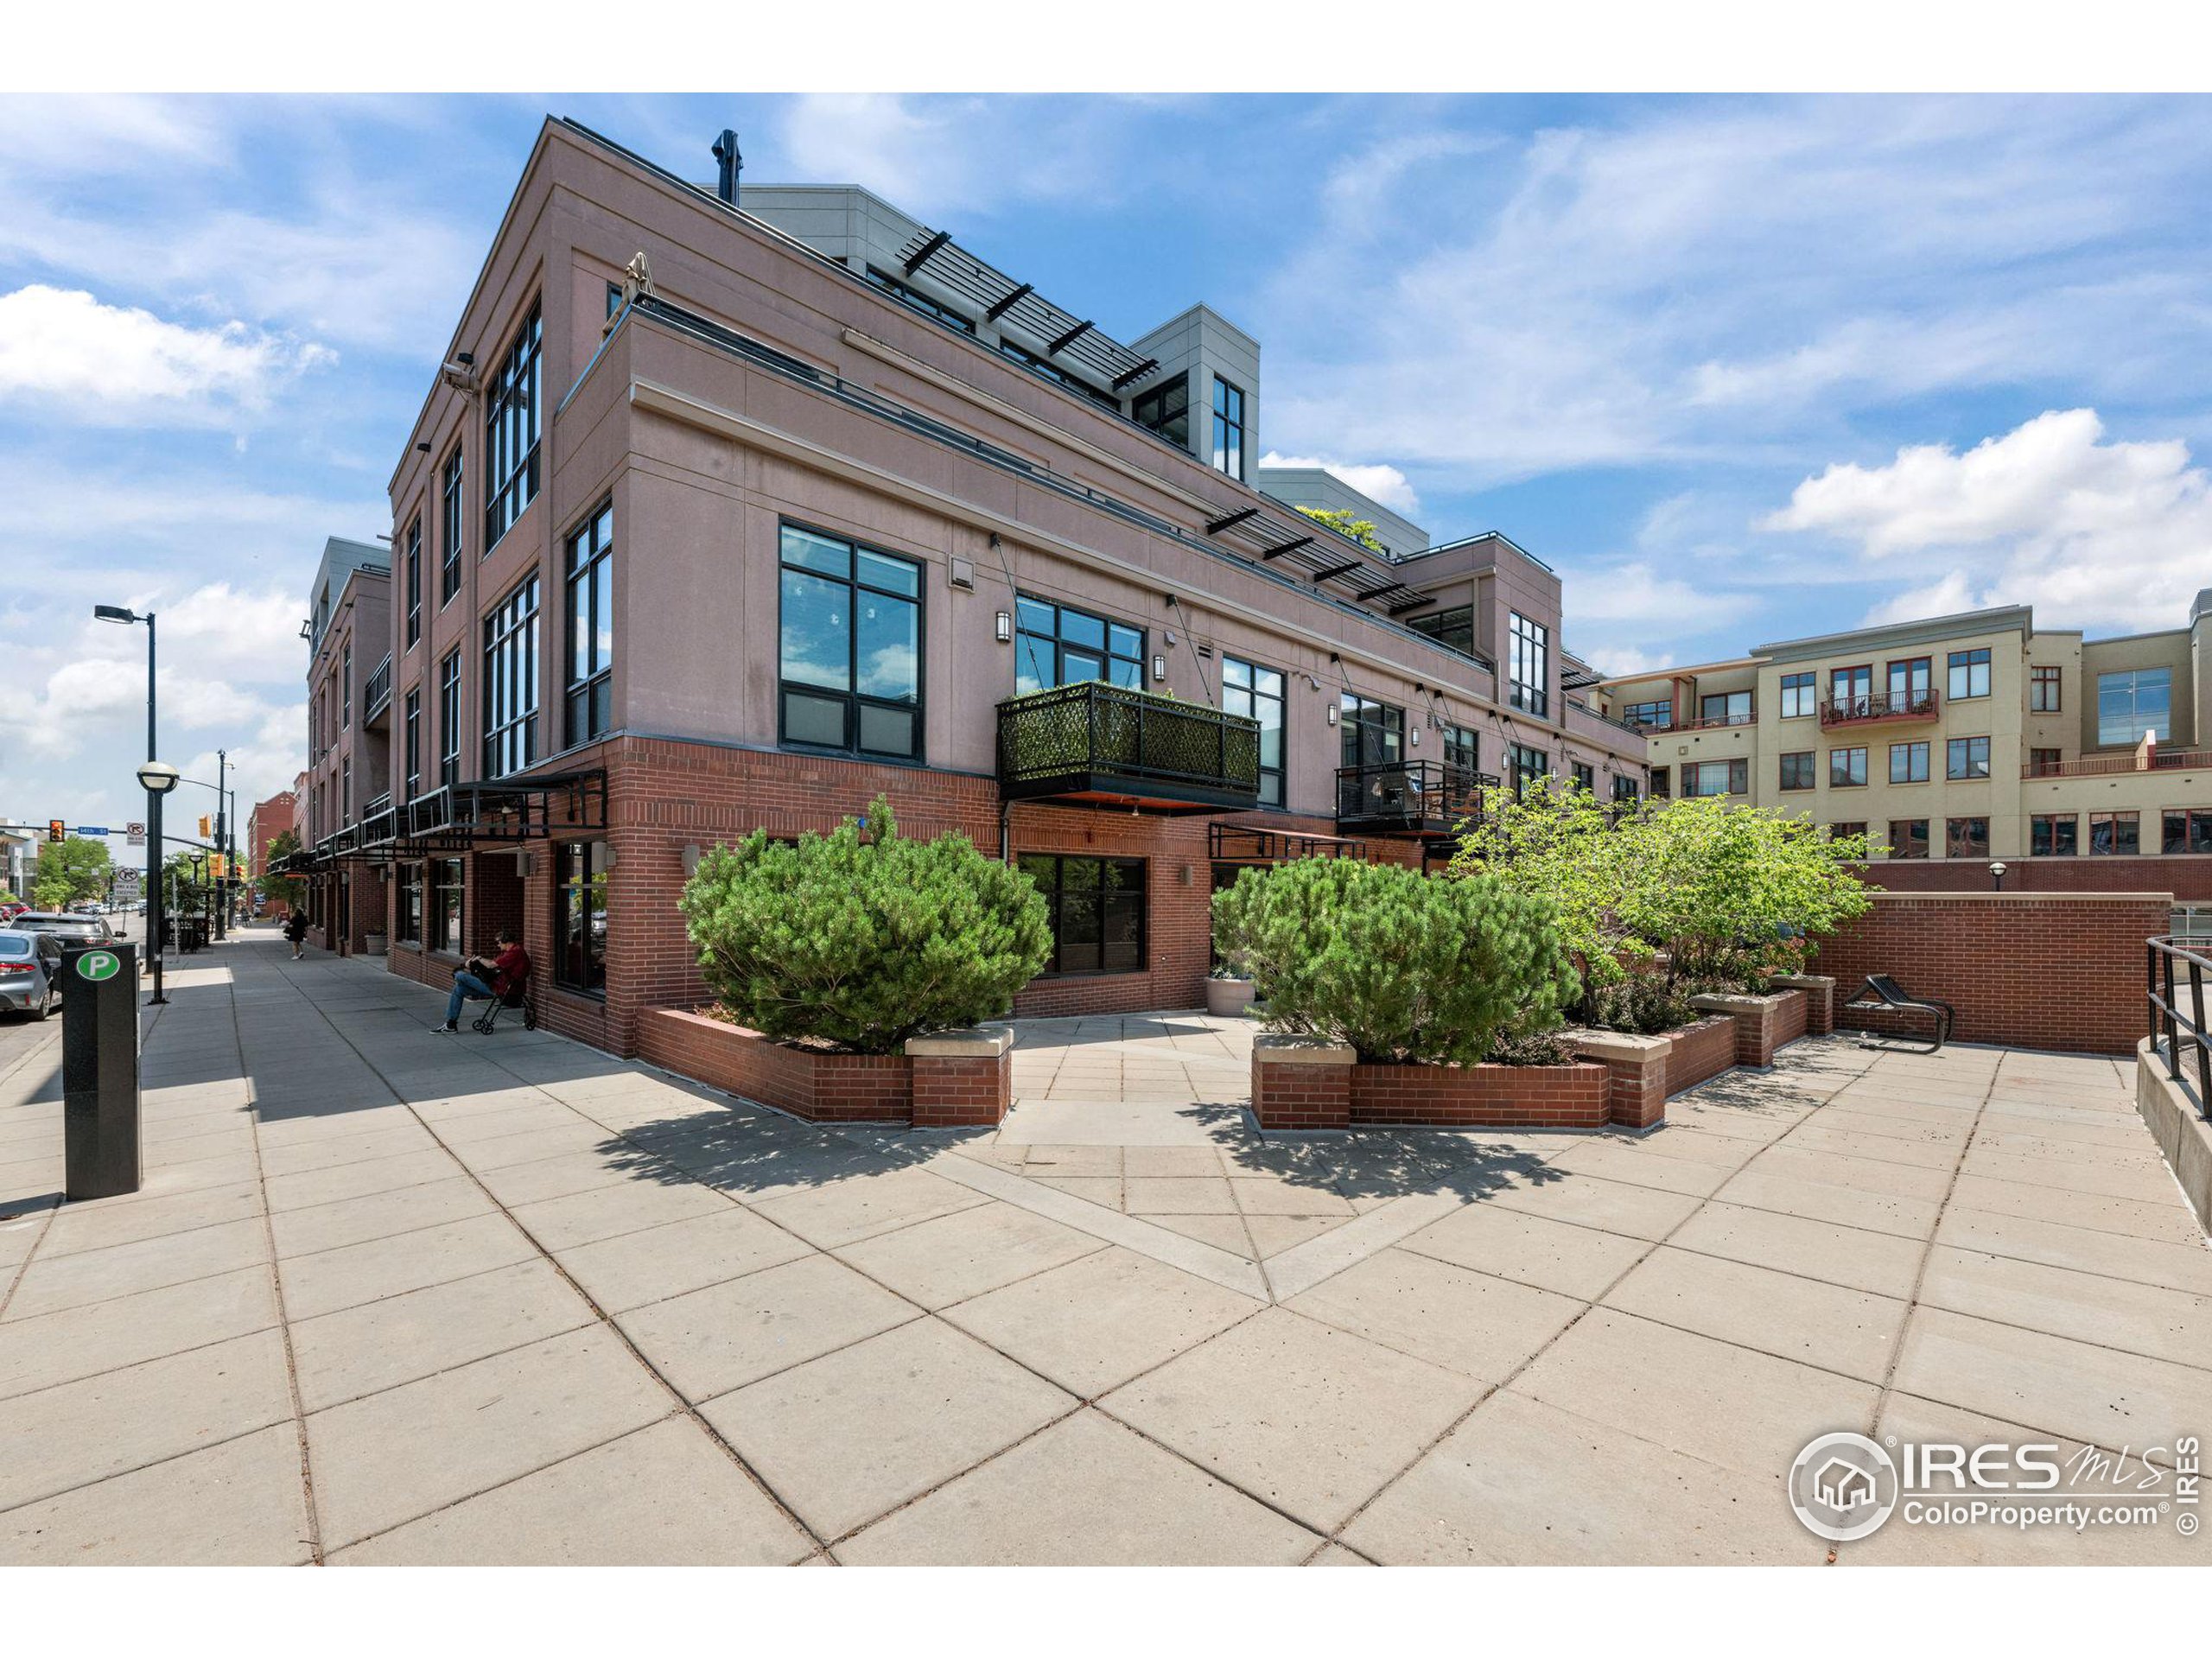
pixel 732 164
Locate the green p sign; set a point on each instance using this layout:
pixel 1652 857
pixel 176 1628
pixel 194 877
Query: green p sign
pixel 98 965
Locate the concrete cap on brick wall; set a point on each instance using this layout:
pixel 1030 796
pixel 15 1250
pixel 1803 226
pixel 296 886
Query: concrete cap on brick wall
pixel 1285 1048
pixel 2024 896
pixel 1730 1002
pixel 1616 1045
pixel 1803 981
pixel 970 1043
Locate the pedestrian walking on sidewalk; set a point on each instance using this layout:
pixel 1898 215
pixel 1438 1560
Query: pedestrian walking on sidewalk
pixel 296 930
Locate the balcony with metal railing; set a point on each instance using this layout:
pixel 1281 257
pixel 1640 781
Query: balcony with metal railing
pixel 1409 798
pixel 1112 744
pixel 1854 711
pixel 2106 766
pixel 378 695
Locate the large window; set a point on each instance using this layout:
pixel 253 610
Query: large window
pixel 409 929
pixel 1799 696
pixel 510 683
pixel 2054 834
pixel 2045 763
pixel 1662 782
pixel 1655 715
pixel 1966 758
pixel 1907 763
pixel 449 529
pixel 2187 829
pixel 1528 666
pixel 346 791
pixel 1228 429
pixel 1462 748
pixel 1623 789
pixel 2042 690
pixel 1372 734
pixel 1847 768
pixel 1166 409
pixel 446 891
pixel 1525 768
pixel 1256 693
pixel 1797 770
pixel 1850 688
pixel 580 915
pixel 449 720
pixel 915 300
pixel 1966 838
pixel 1057 645
pixel 413 721
pixel 2134 704
pixel 591 627
pixel 1969 673
pixel 510 415
pixel 1907 837
pixel 1053 371
pixel 1098 911
pixel 1911 682
pixel 2116 832
pixel 1585 776
pixel 414 582
pixel 1717 778
pixel 345 688
pixel 1845 828
pixel 851 647
pixel 1730 707
pixel 1455 627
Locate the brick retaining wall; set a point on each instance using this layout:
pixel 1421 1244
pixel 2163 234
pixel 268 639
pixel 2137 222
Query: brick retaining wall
pixel 1700 1052
pixel 929 1089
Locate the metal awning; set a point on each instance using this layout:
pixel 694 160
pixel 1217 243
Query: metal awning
pixel 1060 335
pixel 457 818
pixel 1253 843
pixel 1285 539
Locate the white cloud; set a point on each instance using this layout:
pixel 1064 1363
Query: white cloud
pixel 1374 481
pixel 1635 593
pixel 2099 534
pixel 1626 659
pixel 88 357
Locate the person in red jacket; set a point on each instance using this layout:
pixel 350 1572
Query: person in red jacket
pixel 478 980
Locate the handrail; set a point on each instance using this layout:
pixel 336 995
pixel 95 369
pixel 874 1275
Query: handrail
pixel 376 695
pixel 1411 792
pixel 1841 711
pixel 1090 726
pixel 1714 723
pixel 2105 766
pixel 2161 957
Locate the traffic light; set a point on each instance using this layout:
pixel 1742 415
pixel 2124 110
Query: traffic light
pixel 56 830
pixel 207 827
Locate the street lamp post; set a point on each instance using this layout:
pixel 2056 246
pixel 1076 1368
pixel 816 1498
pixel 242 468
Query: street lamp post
pixel 222 895
pixel 1996 877
pixel 158 779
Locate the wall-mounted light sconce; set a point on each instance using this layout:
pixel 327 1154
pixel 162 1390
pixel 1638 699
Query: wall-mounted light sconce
pixel 1412 737
pixel 1331 713
pixel 1006 627
pixel 1159 666
pixel 690 862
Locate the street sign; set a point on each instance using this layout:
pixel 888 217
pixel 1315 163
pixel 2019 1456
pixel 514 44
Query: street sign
pixel 97 965
pixel 135 834
pixel 93 831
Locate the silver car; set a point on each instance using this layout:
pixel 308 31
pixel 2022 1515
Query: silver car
pixel 91 929
pixel 30 972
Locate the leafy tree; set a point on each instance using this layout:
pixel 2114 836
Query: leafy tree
pixel 1399 965
pixel 1340 520
pixel 69 871
pixel 288 890
pixel 863 939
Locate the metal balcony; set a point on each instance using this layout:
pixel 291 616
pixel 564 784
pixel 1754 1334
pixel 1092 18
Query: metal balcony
pixel 1851 711
pixel 1112 746
pixel 1409 798
pixel 378 695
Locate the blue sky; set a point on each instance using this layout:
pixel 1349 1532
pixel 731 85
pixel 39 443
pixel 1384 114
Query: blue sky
pixel 1738 368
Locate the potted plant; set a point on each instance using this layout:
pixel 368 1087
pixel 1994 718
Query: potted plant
pixel 1229 992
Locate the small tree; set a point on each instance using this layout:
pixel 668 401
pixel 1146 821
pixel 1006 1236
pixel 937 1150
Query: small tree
pixel 863 939
pixel 69 871
pixel 1557 840
pixel 1341 520
pixel 1400 966
pixel 287 890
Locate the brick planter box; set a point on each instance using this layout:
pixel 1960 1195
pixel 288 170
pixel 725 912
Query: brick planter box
pixel 1763 1023
pixel 1302 1084
pixel 1819 999
pixel 948 1080
pixel 1644 1072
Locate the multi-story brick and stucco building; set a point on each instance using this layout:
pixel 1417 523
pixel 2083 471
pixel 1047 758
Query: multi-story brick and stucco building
pixel 726 514
pixel 1977 738
pixel 348 631
pixel 264 824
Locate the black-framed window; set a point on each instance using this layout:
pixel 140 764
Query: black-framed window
pixel 1624 792
pixel 1965 838
pixel 1907 837
pixel 2134 703
pixel 614 300
pixel 1732 707
pixel 1463 748
pixel 850 632
pixel 915 300
pixel 580 915
pixel 2186 830
pixel 1097 909
pixel 451 521
pixel 448 894
pixel 1528 665
pixel 1968 673
pixel 510 423
pixel 1586 776
pixel 409 929
pixel 1661 782
pixel 414 581
pixel 510 683
pixel 1847 768
pixel 1965 757
pixel 1051 371
pixel 1844 828
pixel 1656 715
pixel 1256 692
pixel 1228 428
pixel 2054 834
pixel 1058 645
pixel 346 689
pixel 1525 768
pixel 1907 763
pixel 413 725
pixel 1797 771
pixel 1166 409
pixel 449 720
pixel 1372 734
pixel 590 585
pixel 345 789
pixel 1800 695
pixel 2116 832
pixel 1702 777
pixel 1455 627
pixel 2044 691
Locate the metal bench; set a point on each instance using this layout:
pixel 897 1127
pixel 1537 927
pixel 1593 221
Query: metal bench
pixel 1883 994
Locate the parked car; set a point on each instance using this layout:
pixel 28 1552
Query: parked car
pixel 11 908
pixel 93 928
pixel 30 972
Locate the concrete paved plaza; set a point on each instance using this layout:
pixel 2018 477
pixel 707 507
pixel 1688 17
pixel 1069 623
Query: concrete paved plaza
pixel 390 1296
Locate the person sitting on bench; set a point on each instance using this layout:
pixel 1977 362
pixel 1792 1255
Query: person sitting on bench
pixel 478 980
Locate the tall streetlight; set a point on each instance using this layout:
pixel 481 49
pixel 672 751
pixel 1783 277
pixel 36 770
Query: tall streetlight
pixel 152 775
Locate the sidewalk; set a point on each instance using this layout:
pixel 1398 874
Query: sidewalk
pixel 390 1296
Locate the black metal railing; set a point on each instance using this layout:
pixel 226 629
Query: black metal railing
pixel 1423 797
pixel 378 691
pixel 1842 711
pixel 2168 964
pixel 1093 738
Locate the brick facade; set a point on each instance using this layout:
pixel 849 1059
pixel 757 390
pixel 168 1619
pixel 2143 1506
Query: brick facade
pixel 2028 969
pixel 2186 876
pixel 1301 1084
pixel 928 1090
pixel 1763 1024
pixel 1699 1053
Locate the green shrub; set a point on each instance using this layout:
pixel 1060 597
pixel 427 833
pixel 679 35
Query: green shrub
pixel 863 939
pixel 1399 965
pixel 1645 1004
